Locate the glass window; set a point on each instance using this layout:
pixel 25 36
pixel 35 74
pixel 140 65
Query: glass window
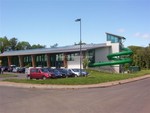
pixel 70 57
pixel 113 39
pixel 91 56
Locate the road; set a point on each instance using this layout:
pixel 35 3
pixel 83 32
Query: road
pixel 132 97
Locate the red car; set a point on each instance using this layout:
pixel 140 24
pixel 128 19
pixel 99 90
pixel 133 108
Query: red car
pixel 39 73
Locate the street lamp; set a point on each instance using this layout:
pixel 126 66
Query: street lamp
pixel 79 20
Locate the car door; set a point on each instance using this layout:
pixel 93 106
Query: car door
pixel 33 73
pixel 38 73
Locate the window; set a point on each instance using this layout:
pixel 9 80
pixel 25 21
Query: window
pixel 91 56
pixel 32 70
pixel 113 39
pixel 70 57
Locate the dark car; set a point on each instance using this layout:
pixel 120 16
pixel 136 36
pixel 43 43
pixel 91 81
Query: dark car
pixel 21 70
pixel 39 73
pixel 66 73
pixel 10 68
pixel 55 72
pixel 4 68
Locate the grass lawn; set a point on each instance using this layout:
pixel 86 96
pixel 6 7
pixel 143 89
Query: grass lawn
pixel 94 78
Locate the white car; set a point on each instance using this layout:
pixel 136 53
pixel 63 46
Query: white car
pixel 78 71
pixel 15 69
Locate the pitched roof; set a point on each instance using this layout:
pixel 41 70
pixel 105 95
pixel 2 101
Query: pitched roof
pixel 72 48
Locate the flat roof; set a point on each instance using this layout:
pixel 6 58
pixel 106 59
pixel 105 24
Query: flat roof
pixel 64 49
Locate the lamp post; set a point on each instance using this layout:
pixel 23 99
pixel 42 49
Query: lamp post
pixel 79 20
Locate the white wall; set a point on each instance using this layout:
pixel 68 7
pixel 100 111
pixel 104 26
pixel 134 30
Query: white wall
pixel 114 49
pixel 75 63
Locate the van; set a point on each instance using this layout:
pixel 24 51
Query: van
pixel 39 73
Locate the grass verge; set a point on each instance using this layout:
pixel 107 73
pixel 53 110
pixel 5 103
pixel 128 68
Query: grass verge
pixel 95 77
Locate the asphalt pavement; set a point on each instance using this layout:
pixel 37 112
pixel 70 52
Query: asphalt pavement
pixel 133 97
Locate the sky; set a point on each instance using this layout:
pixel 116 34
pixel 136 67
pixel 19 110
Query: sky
pixel 48 22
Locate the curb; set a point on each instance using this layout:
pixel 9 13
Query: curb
pixel 100 85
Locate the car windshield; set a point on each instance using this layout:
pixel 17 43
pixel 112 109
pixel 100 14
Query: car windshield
pixel 62 70
pixel 76 70
pixel 56 71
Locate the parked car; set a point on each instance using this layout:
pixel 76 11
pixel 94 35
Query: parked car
pixel 79 72
pixel 55 72
pixel 4 68
pixel 39 73
pixel 15 69
pixel 21 70
pixel 10 68
pixel 66 72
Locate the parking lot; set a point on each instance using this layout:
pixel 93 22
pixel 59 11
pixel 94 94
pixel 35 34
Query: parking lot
pixel 19 75
pixel 43 73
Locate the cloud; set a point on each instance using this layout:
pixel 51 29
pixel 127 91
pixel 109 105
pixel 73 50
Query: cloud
pixel 142 35
pixel 121 30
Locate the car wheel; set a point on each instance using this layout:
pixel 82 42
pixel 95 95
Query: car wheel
pixel 44 78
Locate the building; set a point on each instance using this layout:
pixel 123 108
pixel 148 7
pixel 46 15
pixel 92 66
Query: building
pixel 67 56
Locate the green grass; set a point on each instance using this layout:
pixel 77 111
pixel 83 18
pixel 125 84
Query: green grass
pixel 95 77
pixel 7 75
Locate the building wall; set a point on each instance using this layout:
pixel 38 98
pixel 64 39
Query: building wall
pixel 101 54
pixel 75 63
pixel 115 48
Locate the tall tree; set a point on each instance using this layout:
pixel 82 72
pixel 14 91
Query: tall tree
pixel 13 43
pixel 23 45
pixel 141 56
pixel 146 57
pixel 4 43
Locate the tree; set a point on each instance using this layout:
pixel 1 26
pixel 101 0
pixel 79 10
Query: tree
pixel 135 56
pixel 82 43
pixel 85 62
pixel 141 56
pixel 23 45
pixel 34 46
pixel 54 46
pixel 4 43
pixel 146 57
pixel 13 43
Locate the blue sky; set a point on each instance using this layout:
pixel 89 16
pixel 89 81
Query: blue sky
pixel 47 22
